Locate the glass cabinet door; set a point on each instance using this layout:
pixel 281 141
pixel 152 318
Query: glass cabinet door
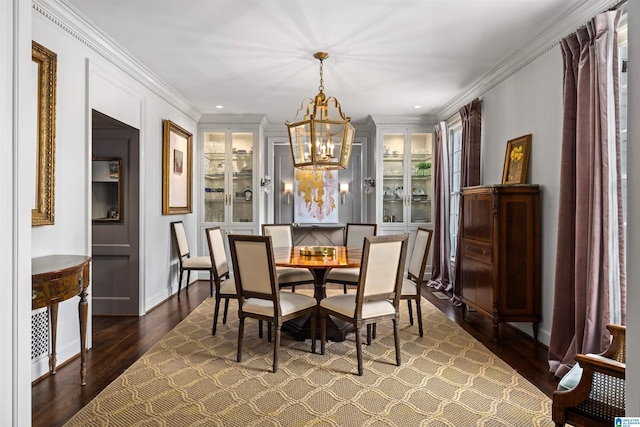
pixel 215 163
pixel 242 176
pixel 228 177
pixel 393 171
pixel 420 178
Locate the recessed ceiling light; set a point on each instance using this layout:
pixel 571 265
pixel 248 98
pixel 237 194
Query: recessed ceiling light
pixel 416 107
pixel 220 107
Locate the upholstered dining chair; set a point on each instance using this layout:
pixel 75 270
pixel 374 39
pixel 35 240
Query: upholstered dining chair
pixel 592 393
pixel 222 281
pixel 412 284
pixel 259 295
pixel 355 234
pixel 282 237
pixel 377 296
pixel 186 261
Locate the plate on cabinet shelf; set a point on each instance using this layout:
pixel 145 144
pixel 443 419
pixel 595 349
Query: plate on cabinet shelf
pixel 418 191
pixel 399 192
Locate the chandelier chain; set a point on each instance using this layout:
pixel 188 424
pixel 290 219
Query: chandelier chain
pixel 321 87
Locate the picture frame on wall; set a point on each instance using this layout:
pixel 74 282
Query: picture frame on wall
pixel 44 74
pixel 516 160
pixel 177 173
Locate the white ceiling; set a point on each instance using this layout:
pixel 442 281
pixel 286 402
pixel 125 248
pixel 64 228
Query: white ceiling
pixel 386 56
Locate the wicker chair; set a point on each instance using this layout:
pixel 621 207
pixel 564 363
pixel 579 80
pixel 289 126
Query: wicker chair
pixel 598 398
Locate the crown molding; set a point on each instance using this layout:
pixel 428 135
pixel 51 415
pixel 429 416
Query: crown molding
pixel 235 119
pixel 419 121
pixel 64 16
pixel 549 38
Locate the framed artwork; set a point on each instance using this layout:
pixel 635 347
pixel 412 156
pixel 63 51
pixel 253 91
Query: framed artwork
pixel 315 197
pixel 177 161
pixel 516 160
pixel 44 73
pixel 177 169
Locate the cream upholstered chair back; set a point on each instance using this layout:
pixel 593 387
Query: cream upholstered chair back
pixel 281 234
pixel 357 232
pixel 420 253
pixel 254 266
pixel 382 267
pixel 181 238
pixel 217 252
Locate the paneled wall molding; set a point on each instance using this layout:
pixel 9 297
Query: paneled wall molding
pixel 60 14
pixel 572 19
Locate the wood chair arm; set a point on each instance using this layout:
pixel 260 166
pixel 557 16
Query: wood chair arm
pixel 599 363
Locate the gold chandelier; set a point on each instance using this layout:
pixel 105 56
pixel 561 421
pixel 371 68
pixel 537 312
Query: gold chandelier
pixel 324 137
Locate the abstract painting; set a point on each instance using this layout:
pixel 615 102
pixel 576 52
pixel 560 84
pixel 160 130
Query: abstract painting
pixel 316 195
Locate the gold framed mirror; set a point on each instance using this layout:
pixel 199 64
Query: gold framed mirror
pixel 44 71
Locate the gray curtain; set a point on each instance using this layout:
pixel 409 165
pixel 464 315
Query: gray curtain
pixel 440 265
pixel 590 282
pixel 471 115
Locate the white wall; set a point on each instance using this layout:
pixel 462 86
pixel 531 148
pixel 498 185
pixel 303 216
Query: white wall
pixel 17 98
pixel 85 80
pixel 530 102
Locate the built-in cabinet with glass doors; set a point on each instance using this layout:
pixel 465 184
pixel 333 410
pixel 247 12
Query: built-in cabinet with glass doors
pixel 404 183
pixel 229 161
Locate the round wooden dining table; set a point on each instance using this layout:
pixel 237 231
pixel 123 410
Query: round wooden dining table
pixel 342 257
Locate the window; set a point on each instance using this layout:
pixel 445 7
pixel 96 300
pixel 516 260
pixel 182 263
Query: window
pixel 455 156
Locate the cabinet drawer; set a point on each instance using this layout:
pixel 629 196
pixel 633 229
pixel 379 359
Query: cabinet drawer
pixel 57 290
pixel 479 252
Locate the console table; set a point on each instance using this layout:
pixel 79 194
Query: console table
pixel 56 278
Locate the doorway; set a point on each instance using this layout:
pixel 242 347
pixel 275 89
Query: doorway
pixel 115 217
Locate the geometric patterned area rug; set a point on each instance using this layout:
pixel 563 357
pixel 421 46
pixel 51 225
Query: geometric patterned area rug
pixel 191 378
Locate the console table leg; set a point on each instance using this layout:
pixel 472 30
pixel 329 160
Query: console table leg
pixel 82 313
pixel 53 325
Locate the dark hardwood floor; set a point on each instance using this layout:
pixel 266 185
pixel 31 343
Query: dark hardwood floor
pixel 119 341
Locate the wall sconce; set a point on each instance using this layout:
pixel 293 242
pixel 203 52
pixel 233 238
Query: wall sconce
pixel 344 189
pixel 369 185
pixel 265 183
pixel 288 188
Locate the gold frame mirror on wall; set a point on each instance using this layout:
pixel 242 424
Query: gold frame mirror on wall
pixel 44 72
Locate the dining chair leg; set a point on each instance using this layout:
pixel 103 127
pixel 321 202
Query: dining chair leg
pixel 323 331
pixel 419 316
pixel 410 312
pixel 260 334
pixel 226 310
pixel 374 331
pixel 359 350
pixel 210 284
pixel 188 276
pixel 240 335
pixel 276 346
pixel 396 338
pixel 180 281
pixel 344 287
pixel 269 332
pixel 369 332
pixel 216 311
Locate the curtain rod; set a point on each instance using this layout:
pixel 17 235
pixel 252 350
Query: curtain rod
pixel 616 6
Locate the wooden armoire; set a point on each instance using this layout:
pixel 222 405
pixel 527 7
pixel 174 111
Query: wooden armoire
pixel 500 253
